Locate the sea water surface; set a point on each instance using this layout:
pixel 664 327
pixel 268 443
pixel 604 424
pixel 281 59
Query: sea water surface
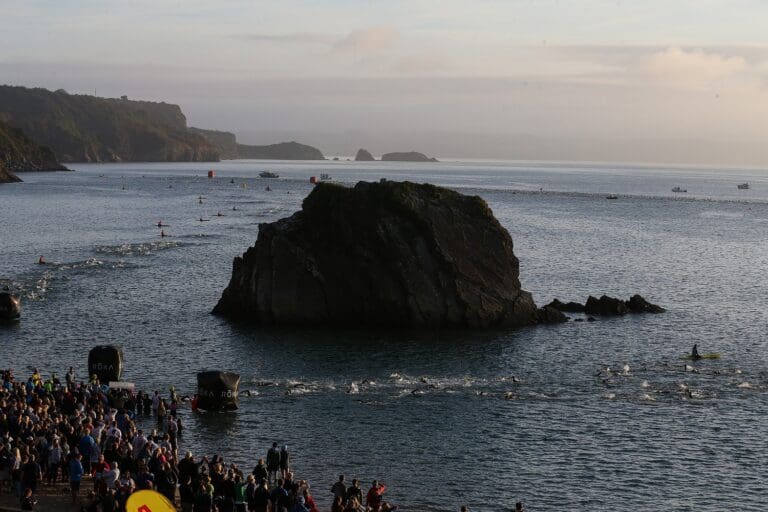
pixel 444 418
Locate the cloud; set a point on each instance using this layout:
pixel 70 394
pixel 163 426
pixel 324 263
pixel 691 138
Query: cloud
pixel 292 38
pixel 696 68
pixel 369 40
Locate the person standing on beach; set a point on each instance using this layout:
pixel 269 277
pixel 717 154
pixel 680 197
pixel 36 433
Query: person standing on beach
pixel 70 378
pixel 31 474
pixel 260 472
pixel 354 491
pixel 284 461
pixel 75 475
pixel 339 489
pixel 155 402
pixel 55 456
pixel 273 462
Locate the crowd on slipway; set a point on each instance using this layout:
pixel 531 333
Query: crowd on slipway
pixel 85 434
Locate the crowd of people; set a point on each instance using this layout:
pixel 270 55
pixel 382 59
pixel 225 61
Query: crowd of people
pixel 85 434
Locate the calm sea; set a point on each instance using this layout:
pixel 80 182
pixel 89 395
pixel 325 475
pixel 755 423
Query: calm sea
pixel 567 436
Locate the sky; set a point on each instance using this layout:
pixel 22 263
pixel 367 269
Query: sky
pixel 678 81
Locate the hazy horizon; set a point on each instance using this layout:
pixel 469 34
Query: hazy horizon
pixel 549 80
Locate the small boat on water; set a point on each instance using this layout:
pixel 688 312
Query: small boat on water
pixel 611 196
pixel 325 176
pixel 267 174
pixel 679 190
pixel 743 186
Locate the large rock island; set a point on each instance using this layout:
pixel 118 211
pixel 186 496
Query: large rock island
pixel 393 254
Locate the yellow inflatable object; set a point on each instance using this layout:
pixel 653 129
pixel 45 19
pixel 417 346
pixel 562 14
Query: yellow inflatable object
pixel 148 501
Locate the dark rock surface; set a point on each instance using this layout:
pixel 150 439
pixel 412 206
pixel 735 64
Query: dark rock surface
pixel 605 306
pixel 7 177
pixel 611 306
pixel 225 142
pixel 411 156
pixel 550 315
pixel 363 156
pixel 18 153
pixel 638 304
pixel 388 254
pixel 10 306
pixel 568 307
pixel 282 151
pixel 81 128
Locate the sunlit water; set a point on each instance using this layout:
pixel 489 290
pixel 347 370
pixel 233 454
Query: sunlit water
pixel 437 416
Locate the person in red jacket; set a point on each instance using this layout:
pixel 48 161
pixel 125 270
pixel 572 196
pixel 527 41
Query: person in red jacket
pixel 375 500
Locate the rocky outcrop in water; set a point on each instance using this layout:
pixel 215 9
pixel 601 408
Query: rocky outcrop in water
pixel 411 156
pixel 80 128
pixel 608 306
pixel 383 254
pixel 10 306
pixel 363 156
pixel 7 177
pixel 567 307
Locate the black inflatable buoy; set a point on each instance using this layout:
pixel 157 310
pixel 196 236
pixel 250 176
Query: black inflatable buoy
pixel 10 306
pixel 217 391
pixel 106 362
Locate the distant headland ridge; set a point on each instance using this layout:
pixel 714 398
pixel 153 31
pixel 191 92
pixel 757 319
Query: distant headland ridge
pixel 363 155
pixel 41 128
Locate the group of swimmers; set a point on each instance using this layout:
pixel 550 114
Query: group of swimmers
pixel 55 430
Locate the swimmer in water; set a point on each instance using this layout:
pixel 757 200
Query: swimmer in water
pixel 159 223
pixel 695 352
pixel 219 214
pixel 162 233
pixel 203 220
pixel 268 189
pixel 234 208
pixel 41 260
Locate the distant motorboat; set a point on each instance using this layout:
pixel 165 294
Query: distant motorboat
pixel 611 196
pixel 678 189
pixel 743 186
pixel 267 174
pixel 325 176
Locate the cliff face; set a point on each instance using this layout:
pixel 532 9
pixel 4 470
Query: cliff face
pixel 282 151
pixel 388 254
pixel 225 142
pixel 410 156
pixel 18 153
pixel 89 129
pixel 229 148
